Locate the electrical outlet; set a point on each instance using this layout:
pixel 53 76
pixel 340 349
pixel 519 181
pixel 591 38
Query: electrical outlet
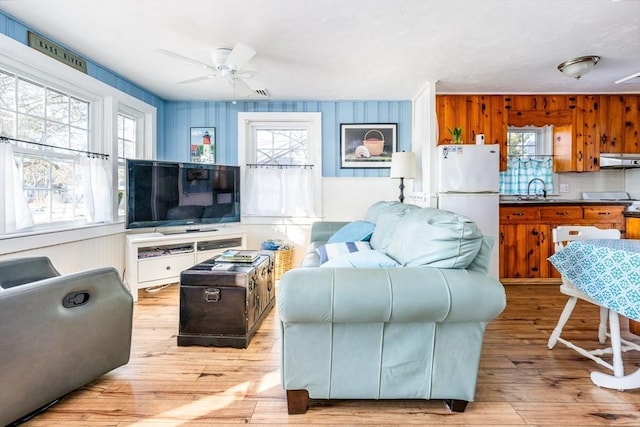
pixel 564 188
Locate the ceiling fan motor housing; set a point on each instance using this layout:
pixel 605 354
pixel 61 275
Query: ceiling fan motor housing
pixel 220 56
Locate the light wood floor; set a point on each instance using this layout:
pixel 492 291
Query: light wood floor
pixel 520 382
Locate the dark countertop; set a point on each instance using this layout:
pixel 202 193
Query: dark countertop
pixel 631 214
pixel 564 202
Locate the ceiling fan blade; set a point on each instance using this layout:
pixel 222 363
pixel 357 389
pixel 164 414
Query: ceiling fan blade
pixel 197 79
pixel 186 58
pixel 242 87
pixel 250 88
pixel 239 56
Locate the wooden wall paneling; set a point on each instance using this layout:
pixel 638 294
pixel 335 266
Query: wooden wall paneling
pixel 475 119
pixel 496 126
pixel 587 133
pixel 631 124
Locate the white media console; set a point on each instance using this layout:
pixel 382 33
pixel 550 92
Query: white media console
pixel 157 259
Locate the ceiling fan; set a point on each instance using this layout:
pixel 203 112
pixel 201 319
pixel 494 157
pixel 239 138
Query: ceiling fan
pixel 226 63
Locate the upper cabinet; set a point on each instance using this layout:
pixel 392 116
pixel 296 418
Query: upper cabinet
pixel 619 120
pixel 584 125
pixel 475 114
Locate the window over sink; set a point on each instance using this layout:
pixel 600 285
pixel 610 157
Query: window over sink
pixel 529 159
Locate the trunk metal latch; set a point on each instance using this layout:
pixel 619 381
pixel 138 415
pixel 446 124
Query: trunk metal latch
pixel 211 295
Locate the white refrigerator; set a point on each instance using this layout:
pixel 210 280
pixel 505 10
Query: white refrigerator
pixel 468 184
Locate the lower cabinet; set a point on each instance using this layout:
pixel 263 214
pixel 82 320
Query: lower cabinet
pixel 525 240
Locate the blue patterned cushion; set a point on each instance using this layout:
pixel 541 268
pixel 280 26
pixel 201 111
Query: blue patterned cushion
pixel 353 232
pixel 332 250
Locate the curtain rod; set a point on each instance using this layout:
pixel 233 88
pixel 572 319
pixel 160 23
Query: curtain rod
pixel 93 154
pixel 272 165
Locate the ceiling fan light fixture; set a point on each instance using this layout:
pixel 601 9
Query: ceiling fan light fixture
pixel 219 56
pixel 578 67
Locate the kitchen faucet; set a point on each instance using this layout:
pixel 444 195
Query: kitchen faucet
pixel 544 187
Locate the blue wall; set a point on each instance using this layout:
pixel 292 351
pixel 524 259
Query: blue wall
pixel 181 116
pixel 19 32
pixel 176 118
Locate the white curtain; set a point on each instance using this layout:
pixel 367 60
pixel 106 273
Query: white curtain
pixel 274 191
pixel 16 210
pixel 97 188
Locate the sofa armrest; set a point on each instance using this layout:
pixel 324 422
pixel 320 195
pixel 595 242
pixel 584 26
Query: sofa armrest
pixel 410 294
pixel 322 230
pixel 18 271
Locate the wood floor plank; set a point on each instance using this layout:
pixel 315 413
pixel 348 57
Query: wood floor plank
pixel 520 381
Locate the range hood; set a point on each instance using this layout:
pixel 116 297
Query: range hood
pixel 619 161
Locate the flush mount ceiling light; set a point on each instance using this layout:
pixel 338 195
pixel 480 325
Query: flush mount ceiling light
pixel 578 67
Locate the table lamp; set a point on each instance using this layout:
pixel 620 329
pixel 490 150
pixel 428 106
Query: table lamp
pixel 403 165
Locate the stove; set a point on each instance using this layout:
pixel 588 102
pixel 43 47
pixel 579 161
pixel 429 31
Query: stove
pixel 617 196
pixel 633 207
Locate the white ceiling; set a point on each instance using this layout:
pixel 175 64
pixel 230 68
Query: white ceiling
pixel 350 49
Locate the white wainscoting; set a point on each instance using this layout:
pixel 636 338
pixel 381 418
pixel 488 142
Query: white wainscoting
pixel 105 251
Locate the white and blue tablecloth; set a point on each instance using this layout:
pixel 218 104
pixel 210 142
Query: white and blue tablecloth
pixel 608 270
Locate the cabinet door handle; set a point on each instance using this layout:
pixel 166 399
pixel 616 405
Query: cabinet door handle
pixel 604 213
pixel 518 214
pixel 562 213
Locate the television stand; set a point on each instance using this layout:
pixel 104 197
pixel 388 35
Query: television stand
pixel 187 230
pixel 154 259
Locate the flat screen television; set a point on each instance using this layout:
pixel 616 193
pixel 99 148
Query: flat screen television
pixel 171 194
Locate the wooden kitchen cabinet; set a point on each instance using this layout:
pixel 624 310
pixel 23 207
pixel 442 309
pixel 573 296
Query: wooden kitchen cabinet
pixel 543 103
pixel 525 240
pixel 619 120
pixel 475 114
pixel 633 228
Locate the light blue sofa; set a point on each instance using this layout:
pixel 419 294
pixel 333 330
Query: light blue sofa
pixel 402 319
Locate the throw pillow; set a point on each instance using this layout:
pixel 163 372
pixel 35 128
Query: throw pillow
pixel 332 250
pixel 353 232
pixel 436 238
pixel 366 259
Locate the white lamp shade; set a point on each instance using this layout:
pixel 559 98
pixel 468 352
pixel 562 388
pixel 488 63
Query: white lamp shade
pixel 403 165
pixel 578 67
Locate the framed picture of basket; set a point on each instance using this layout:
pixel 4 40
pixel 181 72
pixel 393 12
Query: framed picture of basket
pixel 367 145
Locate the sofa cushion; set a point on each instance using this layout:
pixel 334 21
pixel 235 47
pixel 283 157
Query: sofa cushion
pixel 386 216
pixel 353 232
pixel 366 259
pixel 482 261
pixel 332 250
pixel 436 238
pixel 378 209
pixel 385 227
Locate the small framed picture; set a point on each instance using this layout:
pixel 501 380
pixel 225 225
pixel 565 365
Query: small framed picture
pixel 203 145
pixel 367 145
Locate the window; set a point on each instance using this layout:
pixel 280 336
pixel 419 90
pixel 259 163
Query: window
pixel 529 156
pixel 287 145
pixel 127 145
pixel 281 153
pixel 60 115
pixel 58 127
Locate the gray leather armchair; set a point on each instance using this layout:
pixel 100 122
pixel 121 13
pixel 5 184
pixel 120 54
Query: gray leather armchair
pixel 57 332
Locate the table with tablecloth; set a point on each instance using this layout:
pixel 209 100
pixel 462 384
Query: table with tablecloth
pixel 608 271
